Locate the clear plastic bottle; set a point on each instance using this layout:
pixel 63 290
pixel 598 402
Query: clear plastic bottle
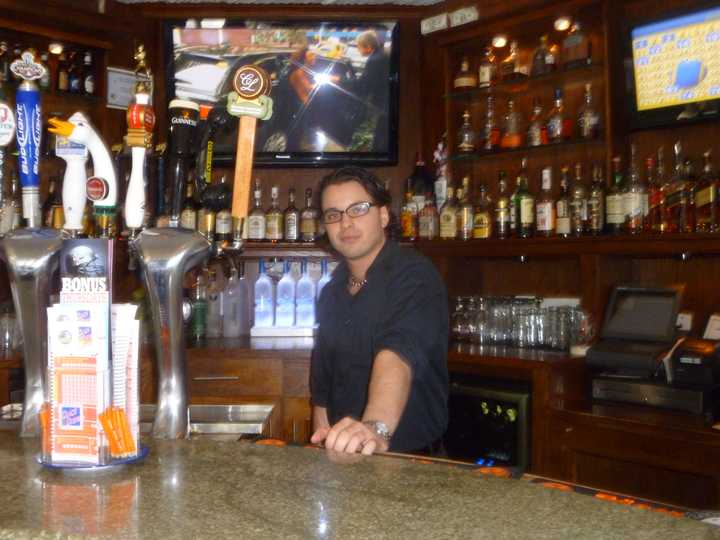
pixel 264 301
pixel 324 278
pixel 198 313
pixel 305 299
pixel 285 303
pixel 214 317
pixel 236 301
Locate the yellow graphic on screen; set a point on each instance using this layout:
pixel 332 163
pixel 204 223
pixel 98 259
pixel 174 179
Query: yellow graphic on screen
pixel 677 64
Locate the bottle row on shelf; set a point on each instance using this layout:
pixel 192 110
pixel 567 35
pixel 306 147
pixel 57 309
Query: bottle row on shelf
pixel 543 128
pixel 221 307
pixel 680 202
pixel 574 51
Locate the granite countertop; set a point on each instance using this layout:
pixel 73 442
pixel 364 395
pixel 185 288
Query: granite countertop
pixel 204 488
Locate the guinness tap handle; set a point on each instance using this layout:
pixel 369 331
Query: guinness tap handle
pixel 183 123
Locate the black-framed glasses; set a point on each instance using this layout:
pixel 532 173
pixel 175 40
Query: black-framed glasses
pixel 355 210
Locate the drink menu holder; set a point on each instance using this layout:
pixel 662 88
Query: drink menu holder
pixel 91 415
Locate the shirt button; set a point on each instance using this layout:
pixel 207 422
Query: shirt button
pixel 347 322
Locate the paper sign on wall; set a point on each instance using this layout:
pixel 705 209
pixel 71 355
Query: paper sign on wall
pixel 464 15
pixel 433 24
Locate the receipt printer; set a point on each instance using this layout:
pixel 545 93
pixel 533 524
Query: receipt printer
pixel 696 362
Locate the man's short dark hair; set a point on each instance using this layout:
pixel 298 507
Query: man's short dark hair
pixel 371 183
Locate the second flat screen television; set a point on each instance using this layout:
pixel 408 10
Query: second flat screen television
pixel 334 86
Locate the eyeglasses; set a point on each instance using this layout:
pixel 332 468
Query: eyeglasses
pixel 355 210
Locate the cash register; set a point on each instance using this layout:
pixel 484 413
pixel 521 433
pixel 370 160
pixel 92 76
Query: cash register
pixel 640 358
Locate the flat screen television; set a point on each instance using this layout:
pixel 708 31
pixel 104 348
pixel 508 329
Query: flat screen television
pixel 673 69
pixel 334 85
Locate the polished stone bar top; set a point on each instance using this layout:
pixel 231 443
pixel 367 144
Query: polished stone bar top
pixel 202 488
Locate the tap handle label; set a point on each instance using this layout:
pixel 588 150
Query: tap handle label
pixel 251 82
pixel 7 124
pixel 27 68
pixel 183 122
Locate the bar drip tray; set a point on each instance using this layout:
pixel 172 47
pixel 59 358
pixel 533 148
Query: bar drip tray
pixel 236 419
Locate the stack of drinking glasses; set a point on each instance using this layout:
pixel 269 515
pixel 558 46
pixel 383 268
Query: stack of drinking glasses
pixel 518 322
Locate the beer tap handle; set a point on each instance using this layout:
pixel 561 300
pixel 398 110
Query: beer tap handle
pixel 183 123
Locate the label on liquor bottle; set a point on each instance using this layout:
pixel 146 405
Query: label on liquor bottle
pixel 223 223
pixel 63 81
pixel 596 214
pixel 484 75
pixel 188 219
pixel 465 222
pixel 705 196
pixel 273 227
pixel 527 211
pixel 513 217
pixel 427 226
pixel 308 227
pixel 615 210
pixel 465 81
pixel 448 225
pixel 633 204
pixel 555 127
pixel 481 225
pixel 535 134
pixel 408 225
pixel 291 227
pixel 256 227
pixel 544 211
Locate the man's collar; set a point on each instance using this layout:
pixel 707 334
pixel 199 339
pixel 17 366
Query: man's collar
pixel 343 272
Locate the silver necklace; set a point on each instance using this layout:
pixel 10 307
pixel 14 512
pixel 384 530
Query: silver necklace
pixel 356 283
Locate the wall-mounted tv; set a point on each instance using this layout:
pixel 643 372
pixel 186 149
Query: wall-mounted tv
pixel 674 69
pixel 334 85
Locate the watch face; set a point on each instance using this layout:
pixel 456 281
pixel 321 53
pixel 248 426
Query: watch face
pixel 380 429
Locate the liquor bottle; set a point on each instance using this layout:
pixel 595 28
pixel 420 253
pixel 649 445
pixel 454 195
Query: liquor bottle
pixel 214 317
pixel 544 58
pixel 576 48
pixel 487 71
pixel 524 205
pixel 562 205
pixel 206 222
pixel 428 220
pixel 588 117
pixel 466 135
pixel 421 182
pixel 465 79
pixel 236 304
pixel 706 198
pixel 491 131
pixel 448 216
pixel 188 215
pixel 691 180
pixel 44 81
pixel 305 299
pixel 502 208
pixel 88 80
pixel 614 201
pixel 596 202
pixel 512 136
pixel 559 127
pixel 309 219
pixel 264 299
pixel 465 217
pixel 285 299
pixel 5 61
pixel 256 219
pixel 291 217
pixel 274 218
pixel 408 219
pixel 537 130
pixel 74 74
pixel 223 229
pixel 677 196
pixel 325 277
pixel 63 79
pixel 52 211
pixel 510 68
pixel 634 197
pixel 198 309
pixel 219 198
pixel 482 215
pixel 545 206
pixel 578 204
pixel 656 198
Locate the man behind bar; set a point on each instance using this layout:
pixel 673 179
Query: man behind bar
pixel 378 376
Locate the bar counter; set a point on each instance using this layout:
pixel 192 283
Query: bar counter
pixel 203 488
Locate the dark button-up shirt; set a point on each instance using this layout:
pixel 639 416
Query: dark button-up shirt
pixel 401 308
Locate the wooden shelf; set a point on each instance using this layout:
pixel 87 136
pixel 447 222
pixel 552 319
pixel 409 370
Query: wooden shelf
pixel 257 250
pixel 574 143
pixel 506 88
pixel 654 245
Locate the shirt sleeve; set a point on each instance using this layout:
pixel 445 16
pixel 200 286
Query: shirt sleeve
pixel 415 323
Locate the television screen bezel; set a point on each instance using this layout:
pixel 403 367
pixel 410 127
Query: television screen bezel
pixel 307 159
pixel 664 117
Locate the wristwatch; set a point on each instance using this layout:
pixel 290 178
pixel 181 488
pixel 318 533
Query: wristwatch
pixel 380 429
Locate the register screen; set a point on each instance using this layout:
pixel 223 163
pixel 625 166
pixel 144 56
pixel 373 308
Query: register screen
pixel 645 315
pixel 677 61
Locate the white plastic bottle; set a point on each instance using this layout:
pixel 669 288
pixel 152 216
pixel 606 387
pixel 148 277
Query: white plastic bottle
pixel 264 304
pixel 305 299
pixel 285 304
pixel 324 278
pixel 214 318
pixel 236 304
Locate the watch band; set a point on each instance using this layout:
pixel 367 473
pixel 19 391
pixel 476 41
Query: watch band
pixel 380 429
